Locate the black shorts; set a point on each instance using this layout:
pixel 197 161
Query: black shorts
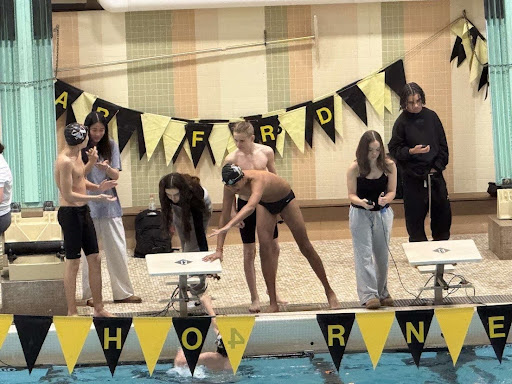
pixel 78 230
pixel 278 206
pixel 248 232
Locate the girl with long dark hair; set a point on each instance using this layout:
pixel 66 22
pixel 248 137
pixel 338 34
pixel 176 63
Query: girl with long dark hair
pixel 103 161
pixel 186 209
pixel 371 184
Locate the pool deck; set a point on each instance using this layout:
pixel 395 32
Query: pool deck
pixel 297 283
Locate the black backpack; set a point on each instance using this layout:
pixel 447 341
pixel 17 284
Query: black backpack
pixel 149 236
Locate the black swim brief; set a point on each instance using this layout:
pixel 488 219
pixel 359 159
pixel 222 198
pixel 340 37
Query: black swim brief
pixel 248 232
pixel 78 230
pixel 278 206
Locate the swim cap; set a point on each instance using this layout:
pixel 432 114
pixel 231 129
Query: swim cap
pixel 231 174
pixel 75 133
pixel 221 349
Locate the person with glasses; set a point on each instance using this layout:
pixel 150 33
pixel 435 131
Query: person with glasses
pixel 418 143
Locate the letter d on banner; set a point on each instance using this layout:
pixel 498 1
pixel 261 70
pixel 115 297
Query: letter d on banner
pixel 336 329
pixel 191 333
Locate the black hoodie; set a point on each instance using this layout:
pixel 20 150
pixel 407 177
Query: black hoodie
pixel 424 128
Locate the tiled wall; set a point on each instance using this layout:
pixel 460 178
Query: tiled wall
pixel 354 40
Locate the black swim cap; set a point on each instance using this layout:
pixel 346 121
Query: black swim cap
pixel 75 133
pixel 231 174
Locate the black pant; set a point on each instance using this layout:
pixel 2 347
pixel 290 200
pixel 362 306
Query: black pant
pixel 416 207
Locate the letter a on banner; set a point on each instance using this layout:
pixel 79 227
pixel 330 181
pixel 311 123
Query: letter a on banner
pixel 336 329
pixel 496 320
pixel 112 332
pixel 375 328
pixel 152 332
pixel 32 331
pixel 235 332
pixel 454 323
pixel 191 334
pixel 72 332
pixel 197 136
pixel 415 326
pixel 65 95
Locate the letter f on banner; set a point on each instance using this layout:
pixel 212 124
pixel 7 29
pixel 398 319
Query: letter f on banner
pixel 197 136
pixel 336 329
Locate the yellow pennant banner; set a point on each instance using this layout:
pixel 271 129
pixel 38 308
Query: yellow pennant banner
pixel 5 323
pixel 172 138
pixel 112 130
pixel 294 123
pixel 373 88
pixel 374 327
pixel 153 127
pixel 388 104
pixel 219 139
pixel 478 59
pixel 454 323
pixel 82 106
pixel 152 333
pixel 235 331
pixel 72 332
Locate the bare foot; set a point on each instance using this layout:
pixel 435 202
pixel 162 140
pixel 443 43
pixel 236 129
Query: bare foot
pixel 272 309
pixel 255 306
pixel 279 300
pixel 102 313
pixel 333 301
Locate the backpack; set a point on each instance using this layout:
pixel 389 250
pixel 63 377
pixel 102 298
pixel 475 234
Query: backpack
pixel 149 237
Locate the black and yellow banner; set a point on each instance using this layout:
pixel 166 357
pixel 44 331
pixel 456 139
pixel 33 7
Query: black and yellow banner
pixel 235 332
pixel 112 332
pixel 323 112
pixel 496 321
pixel 197 137
pixel 65 96
pixel 32 331
pixel 191 333
pixel 415 326
pixel 336 329
pixel 266 130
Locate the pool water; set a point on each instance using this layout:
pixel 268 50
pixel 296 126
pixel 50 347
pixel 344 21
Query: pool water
pixel 475 365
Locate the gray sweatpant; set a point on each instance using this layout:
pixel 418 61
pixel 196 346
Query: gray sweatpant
pixel 371 231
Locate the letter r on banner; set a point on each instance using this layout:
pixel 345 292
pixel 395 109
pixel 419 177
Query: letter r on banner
pixel 267 130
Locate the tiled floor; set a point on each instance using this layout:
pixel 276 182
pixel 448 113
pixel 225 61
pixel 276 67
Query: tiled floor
pixel 298 284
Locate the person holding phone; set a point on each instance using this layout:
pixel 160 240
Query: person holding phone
pixel 418 143
pixel 371 184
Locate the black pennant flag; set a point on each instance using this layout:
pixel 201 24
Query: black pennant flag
pixel 484 77
pixel 112 332
pixel 356 100
pixel 308 129
pixel 394 76
pixel 415 326
pixel 458 51
pixel 336 329
pixel 32 331
pixel 65 95
pixel 496 320
pixel 323 112
pixel 108 109
pixel 266 130
pixel 128 121
pixel 197 135
pixel 191 333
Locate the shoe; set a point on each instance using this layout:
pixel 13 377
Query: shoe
pixel 387 302
pixel 130 300
pixel 90 303
pixel 373 304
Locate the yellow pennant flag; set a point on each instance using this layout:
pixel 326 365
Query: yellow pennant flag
pixel 387 99
pixel 338 115
pixel 112 130
pixel 153 127
pixel 172 137
pixel 152 333
pixel 294 123
pixel 219 139
pixel 5 323
pixel 83 106
pixel 231 146
pixel 374 327
pixel 72 332
pixel 235 332
pixel 461 27
pixel 479 58
pixel 373 88
pixel 454 323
